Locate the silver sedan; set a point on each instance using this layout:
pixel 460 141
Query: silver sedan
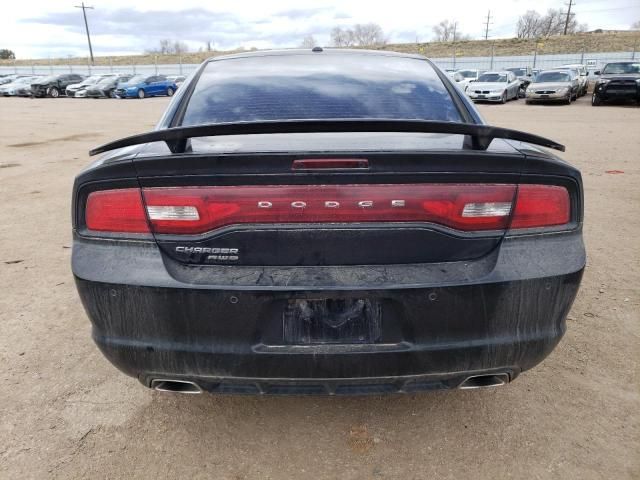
pixel 494 87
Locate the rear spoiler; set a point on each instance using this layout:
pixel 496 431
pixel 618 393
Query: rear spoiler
pixel 478 137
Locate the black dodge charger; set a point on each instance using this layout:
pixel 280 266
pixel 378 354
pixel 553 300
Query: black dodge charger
pixel 326 222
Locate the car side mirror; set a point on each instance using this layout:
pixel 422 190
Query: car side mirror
pixel 597 72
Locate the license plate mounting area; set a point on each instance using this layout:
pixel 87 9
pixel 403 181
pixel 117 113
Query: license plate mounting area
pixel 332 321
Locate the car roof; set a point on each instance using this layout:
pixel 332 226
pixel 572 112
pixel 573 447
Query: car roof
pixel 305 51
pixel 562 70
pixel 499 72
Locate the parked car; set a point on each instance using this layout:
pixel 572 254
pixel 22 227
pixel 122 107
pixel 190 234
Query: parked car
pixel 553 86
pixel 11 77
pixel 106 87
pixel 495 87
pixel 177 79
pixel 458 78
pixel 72 89
pixel 581 74
pixel 141 86
pixel 618 81
pixel 297 227
pixel 524 74
pixel 468 76
pixel 54 85
pixel 21 86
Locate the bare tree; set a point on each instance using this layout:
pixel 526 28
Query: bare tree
pixel 553 23
pixel 164 47
pixel 534 25
pixel 529 25
pixel 179 47
pixel 445 31
pixel 170 47
pixel 362 35
pixel 308 42
pixel 368 34
pixel 342 37
pixel 635 25
pixel 448 31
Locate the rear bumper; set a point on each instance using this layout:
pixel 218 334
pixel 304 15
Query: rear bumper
pixel 505 316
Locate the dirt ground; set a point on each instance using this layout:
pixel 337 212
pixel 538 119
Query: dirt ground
pixel 65 412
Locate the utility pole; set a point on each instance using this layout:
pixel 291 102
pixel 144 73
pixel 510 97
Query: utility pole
pixel 86 26
pixel 566 22
pixel 486 25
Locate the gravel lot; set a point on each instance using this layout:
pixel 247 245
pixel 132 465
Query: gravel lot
pixel 65 412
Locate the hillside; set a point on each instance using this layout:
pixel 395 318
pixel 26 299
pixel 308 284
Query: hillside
pixel 587 42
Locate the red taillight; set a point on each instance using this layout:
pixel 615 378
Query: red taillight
pixel 116 211
pixel 541 206
pixel 196 210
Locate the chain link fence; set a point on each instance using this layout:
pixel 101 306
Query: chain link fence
pixel 51 68
pixel 594 62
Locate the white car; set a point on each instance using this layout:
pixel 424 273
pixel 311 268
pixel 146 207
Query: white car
pixel 469 75
pixel 74 88
pixel 495 87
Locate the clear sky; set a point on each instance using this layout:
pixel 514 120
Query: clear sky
pixel 40 28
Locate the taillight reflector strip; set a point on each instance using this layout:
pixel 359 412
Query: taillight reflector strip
pixel 487 206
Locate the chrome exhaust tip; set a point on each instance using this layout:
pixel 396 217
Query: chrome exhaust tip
pixel 175 386
pixel 484 381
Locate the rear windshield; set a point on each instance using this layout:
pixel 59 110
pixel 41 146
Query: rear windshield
pixel 468 73
pixel 318 86
pixel 137 79
pixel 546 77
pixel 106 80
pixel 520 72
pixel 621 68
